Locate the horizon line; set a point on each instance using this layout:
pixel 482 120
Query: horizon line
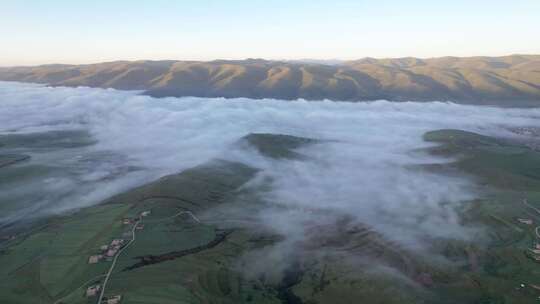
pixel 306 60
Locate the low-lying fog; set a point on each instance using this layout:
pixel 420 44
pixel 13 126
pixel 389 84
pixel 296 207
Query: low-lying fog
pixel 361 170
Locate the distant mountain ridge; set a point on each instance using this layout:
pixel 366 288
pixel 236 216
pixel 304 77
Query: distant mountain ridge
pixel 509 80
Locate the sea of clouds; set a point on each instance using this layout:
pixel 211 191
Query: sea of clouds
pixel 362 168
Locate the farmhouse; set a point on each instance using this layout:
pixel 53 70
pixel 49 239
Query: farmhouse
pixel 117 242
pixel 114 299
pixel 95 258
pixel 93 290
pixel 525 221
pixel 111 252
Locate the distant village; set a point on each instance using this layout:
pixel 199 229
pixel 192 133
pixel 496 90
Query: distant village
pixel 108 252
pixel 532 134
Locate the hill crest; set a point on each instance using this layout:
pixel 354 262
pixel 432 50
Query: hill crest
pixel 508 80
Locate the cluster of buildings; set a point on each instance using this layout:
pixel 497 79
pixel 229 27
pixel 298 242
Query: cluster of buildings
pixel 130 221
pixel 94 290
pixel 112 300
pixel 536 252
pixel 536 249
pixel 107 251
pixel 113 248
pixel 533 133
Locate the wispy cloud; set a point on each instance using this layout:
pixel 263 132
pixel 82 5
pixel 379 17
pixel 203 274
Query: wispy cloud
pixel 361 170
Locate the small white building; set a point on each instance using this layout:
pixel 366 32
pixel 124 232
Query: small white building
pixel 93 259
pixel 525 221
pixel 114 299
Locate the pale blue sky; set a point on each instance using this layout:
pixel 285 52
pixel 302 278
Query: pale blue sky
pixel 61 31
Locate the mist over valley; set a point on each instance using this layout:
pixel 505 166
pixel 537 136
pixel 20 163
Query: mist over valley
pixel 327 194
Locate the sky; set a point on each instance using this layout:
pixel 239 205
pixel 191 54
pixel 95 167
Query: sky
pixel 60 31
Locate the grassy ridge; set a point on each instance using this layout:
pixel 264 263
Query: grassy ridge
pixel 509 80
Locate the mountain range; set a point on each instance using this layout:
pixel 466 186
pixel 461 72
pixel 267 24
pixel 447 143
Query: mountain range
pixel 511 80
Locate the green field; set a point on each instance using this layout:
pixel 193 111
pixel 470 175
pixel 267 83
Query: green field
pixel 177 258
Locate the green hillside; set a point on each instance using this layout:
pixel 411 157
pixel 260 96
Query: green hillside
pixel 192 245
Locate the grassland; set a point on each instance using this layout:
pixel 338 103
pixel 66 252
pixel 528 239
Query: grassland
pixel 507 171
pixel 177 258
pixel 509 80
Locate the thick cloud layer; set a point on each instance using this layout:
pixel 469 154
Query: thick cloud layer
pixel 363 169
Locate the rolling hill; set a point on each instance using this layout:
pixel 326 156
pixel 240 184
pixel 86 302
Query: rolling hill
pixel 508 80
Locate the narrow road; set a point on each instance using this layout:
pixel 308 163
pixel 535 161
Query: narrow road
pixel 131 242
pixel 176 215
pixel 116 258
pixel 532 207
pixel 537 232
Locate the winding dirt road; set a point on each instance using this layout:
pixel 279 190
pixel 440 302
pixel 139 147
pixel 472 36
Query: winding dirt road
pixel 139 221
